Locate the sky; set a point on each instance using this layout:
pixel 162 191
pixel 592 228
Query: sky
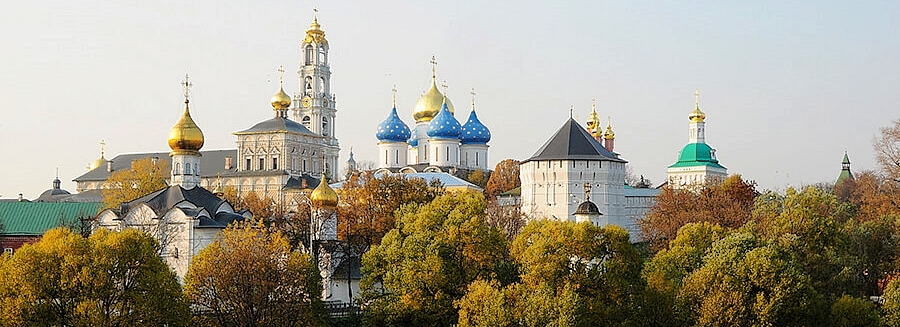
pixel 787 86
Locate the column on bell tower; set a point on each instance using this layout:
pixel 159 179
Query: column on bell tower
pixel 314 105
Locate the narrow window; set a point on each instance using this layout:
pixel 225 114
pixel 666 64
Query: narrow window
pixel 275 163
pixel 247 165
pixel 476 158
pixel 262 163
pixel 177 168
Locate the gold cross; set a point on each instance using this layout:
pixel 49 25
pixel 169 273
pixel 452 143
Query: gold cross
pixel 473 98
pixel 393 98
pixel 187 87
pixel 444 84
pixel 697 98
pixel 593 104
pixel 571 109
pixel 102 147
pixel 281 74
pixel 433 66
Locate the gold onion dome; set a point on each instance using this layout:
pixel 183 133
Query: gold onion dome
pixel 609 134
pixel 281 100
pixel 430 104
pixel 697 116
pixel 324 196
pixel 185 136
pixel 98 163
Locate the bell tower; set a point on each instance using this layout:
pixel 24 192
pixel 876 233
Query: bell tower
pixel 314 105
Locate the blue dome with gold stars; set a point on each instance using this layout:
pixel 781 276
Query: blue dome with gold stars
pixel 392 129
pixel 413 141
pixel 444 125
pixel 474 132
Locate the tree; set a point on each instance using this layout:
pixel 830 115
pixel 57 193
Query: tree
pixel 504 178
pixel 249 276
pixel 422 266
pixel 637 181
pixel 507 218
pixel 873 195
pixel 891 307
pixel 478 177
pixel 261 206
pixel 745 281
pixel 887 148
pixel 728 204
pixel 109 279
pixel 145 176
pixel 368 204
pixel 854 312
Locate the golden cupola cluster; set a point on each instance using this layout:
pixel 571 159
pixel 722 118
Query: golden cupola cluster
pixel 593 122
pixel 696 115
pixel 186 137
pixel 324 197
pixel 315 34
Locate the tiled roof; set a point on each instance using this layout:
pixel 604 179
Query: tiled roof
pixel 35 218
pixel 572 142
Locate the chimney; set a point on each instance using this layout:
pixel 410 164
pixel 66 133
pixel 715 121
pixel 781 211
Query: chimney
pixel 109 166
pixel 228 163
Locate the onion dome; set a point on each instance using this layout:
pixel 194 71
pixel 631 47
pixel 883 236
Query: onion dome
pixel 185 137
pixel 315 34
pixel 100 162
pixel 474 132
pixel 324 197
pixel 392 129
pixel 413 141
pixel 281 100
pixel 444 125
pixel 609 134
pixel 588 208
pixel 429 105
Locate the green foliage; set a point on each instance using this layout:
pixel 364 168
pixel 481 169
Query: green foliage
pixel 854 312
pixel 109 279
pixel 746 281
pixel 249 276
pixel 891 307
pixel 427 262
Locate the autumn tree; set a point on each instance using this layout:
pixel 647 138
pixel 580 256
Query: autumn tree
pixel 143 177
pixel 368 204
pixel 108 279
pixel 507 218
pixel 728 204
pixel 873 195
pixel 891 307
pixel 504 178
pixel 422 266
pixel 261 206
pixel 887 149
pixel 746 281
pixel 249 276
pixel 478 177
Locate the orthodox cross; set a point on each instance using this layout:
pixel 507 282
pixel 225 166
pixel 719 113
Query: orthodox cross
pixel 187 87
pixel 102 147
pixel 593 104
pixel 571 109
pixel 587 191
pixel 433 66
pixel 697 98
pixel 444 85
pixel 393 98
pixel 473 98
pixel 281 74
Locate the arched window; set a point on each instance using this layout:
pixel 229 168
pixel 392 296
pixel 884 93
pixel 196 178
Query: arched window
pixel 322 59
pixel 308 86
pixel 187 169
pixel 177 168
pixel 325 126
pixel 322 85
pixel 309 54
pixel 305 121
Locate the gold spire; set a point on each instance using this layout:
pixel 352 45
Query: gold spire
pixel 102 160
pixel 609 135
pixel 473 98
pixel 696 115
pixel 281 100
pixel 593 121
pixel 429 104
pixel 315 34
pixel 185 137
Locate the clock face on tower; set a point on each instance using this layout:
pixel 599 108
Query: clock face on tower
pixel 307 102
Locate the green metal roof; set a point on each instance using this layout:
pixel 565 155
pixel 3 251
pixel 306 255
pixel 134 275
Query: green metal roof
pixel 696 154
pixel 35 218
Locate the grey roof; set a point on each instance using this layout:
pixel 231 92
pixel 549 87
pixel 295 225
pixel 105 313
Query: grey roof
pixel 277 124
pixel 303 182
pixel 212 162
pixel 587 207
pixel 572 142
pixel 165 199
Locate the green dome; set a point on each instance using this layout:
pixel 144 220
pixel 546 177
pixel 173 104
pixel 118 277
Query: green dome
pixel 696 154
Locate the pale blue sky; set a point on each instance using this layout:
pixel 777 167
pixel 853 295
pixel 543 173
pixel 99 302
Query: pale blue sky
pixel 787 86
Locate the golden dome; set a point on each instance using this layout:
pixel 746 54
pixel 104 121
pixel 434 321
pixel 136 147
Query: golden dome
pixel 98 163
pixel 281 100
pixel 185 137
pixel 315 34
pixel 593 122
pixel 324 196
pixel 609 135
pixel 430 104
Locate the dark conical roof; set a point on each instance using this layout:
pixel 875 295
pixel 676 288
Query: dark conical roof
pixel 572 142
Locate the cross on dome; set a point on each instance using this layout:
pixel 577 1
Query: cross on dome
pixel 394 96
pixel 281 74
pixel 187 87
pixel 433 66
